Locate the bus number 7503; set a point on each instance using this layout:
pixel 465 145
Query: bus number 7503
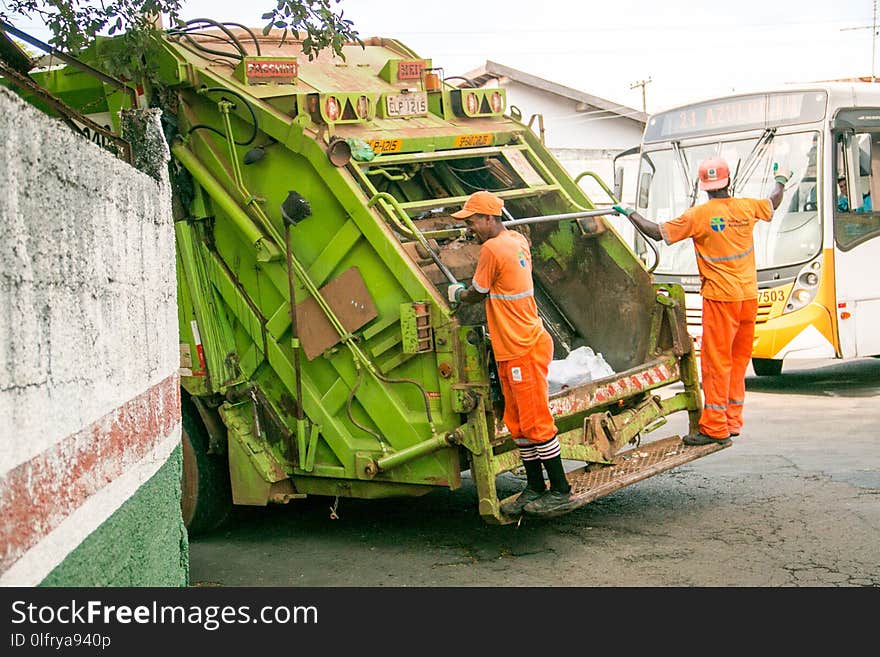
pixel 770 296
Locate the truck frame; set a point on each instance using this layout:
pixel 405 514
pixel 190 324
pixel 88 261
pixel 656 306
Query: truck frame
pixel 319 355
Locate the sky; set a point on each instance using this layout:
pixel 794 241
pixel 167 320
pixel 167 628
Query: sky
pixel 688 50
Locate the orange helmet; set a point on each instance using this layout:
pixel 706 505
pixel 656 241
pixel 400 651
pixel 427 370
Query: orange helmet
pixel 714 173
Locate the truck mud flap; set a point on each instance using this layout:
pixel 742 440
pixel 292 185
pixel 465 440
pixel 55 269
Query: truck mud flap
pixel 594 481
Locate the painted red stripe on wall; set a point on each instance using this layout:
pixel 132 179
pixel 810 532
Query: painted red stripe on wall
pixel 36 496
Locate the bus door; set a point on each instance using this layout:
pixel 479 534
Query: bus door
pixel 857 231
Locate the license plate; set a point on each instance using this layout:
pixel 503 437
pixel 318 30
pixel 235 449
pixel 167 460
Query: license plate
pixel 386 145
pixel 406 104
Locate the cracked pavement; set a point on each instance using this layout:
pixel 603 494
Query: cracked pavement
pixel 795 502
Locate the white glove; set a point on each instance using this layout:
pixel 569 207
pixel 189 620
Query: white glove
pixel 453 292
pixel 781 174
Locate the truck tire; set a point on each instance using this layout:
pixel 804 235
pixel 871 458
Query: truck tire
pixel 206 496
pixel 767 366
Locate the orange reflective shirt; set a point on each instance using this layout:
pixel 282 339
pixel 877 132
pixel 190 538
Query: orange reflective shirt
pixel 504 271
pixel 722 232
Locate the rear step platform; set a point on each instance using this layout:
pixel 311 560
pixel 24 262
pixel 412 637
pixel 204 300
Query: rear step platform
pixel 594 480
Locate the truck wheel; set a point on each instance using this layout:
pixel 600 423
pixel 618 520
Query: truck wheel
pixel 767 366
pixel 206 497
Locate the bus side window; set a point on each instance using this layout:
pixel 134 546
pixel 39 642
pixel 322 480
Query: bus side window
pixel 873 186
pixel 854 218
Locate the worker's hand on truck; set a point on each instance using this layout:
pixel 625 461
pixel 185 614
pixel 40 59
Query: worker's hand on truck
pixel 622 210
pixel 454 292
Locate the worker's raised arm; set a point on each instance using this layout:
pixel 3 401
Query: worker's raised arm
pixel 781 176
pixel 649 228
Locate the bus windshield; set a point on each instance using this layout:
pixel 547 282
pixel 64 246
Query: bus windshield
pixel 668 186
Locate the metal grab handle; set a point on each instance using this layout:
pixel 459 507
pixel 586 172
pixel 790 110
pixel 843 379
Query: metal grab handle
pixel 601 184
pixel 415 232
pixel 555 217
pixel 410 229
pixel 648 240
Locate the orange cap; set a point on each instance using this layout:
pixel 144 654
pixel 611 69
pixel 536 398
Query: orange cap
pixel 480 203
pixel 714 173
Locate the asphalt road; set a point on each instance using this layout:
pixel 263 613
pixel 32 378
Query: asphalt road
pixel 795 502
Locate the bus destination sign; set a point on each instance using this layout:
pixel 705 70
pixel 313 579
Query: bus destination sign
pixel 752 112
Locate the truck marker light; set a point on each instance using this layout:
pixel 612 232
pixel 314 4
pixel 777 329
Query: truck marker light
pixel 472 103
pixel 331 108
pixel 362 107
pixel 497 102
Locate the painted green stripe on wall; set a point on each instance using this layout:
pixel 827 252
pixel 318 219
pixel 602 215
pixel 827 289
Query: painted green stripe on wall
pixel 144 543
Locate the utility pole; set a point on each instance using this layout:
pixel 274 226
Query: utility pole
pixel 873 28
pixel 642 83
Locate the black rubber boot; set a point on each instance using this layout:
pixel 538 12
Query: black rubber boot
pixel 556 474
pixel 535 487
pixel 700 438
pixel 557 500
pixel 534 475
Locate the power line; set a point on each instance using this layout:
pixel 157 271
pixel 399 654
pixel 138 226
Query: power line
pixel 629 28
pixel 873 28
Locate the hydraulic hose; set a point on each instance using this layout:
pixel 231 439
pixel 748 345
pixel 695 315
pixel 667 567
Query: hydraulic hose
pixel 202 126
pixel 208 21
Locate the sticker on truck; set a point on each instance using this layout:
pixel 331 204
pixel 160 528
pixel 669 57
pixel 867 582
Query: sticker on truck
pixel 469 141
pixel 386 145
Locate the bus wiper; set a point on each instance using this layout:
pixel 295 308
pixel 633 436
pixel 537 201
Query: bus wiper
pixel 690 187
pixel 751 163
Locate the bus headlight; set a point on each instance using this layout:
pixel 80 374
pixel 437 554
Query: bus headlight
pixel 810 279
pixel 805 287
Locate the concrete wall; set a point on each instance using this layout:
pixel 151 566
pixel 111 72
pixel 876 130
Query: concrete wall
pixel 567 127
pixel 89 394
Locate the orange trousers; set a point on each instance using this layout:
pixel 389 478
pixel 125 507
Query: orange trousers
pixel 525 390
pixel 728 338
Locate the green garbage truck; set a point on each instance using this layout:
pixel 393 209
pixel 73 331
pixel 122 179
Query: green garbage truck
pixel 319 355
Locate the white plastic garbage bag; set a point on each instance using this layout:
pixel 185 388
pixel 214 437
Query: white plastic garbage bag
pixel 581 366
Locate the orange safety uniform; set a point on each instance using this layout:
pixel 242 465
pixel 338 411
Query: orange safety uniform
pixel 722 232
pixel 522 347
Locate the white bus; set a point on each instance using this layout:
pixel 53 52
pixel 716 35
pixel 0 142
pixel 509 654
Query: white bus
pixel 819 259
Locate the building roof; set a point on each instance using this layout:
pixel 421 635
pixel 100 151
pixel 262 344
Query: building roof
pixel 862 78
pixel 495 71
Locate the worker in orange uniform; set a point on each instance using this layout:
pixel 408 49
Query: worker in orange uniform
pixel 721 230
pixel 523 350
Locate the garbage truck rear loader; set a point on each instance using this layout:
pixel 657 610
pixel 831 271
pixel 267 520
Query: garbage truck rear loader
pixel 319 355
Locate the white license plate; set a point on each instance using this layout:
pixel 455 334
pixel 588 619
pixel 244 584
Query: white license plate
pixel 406 104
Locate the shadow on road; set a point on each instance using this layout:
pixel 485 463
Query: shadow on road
pixel 857 378
pixel 438 539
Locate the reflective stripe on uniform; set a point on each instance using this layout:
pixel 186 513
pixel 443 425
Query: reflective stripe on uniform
pixel 726 258
pixel 716 407
pixel 512 297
